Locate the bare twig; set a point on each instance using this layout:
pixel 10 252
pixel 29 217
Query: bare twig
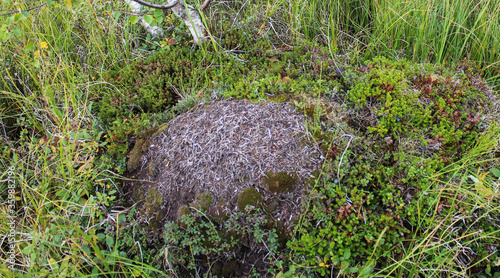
pixel 205 5
pixel 342 157
pixel 26 10
pixel 156 6
pixel 348 200
pixel 238 14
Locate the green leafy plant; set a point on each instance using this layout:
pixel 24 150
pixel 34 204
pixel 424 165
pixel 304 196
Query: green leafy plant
pixel 197 240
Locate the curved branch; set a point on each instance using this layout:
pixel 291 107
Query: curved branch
pixel 205 5
pixel 27 10
pixel 156 6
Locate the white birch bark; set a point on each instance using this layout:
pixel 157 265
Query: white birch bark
pixel 155 31
pixel 187 13
pixel 192 19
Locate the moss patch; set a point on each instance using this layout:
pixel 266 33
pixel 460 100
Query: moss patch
pixel 153 169
pixel 152 208
pixel 204 200
pixel 249 197
pixel 279 183
pixel 135 155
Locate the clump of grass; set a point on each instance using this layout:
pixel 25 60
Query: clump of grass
pixel 51 59
pixel 423 31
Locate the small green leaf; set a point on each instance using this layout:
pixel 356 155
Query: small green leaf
pixel 26 250
pixel 110 241
pixel 117 15
pixel 86 249
pixel 16 31
pixel 148 18
pixel 367 269
pixel 495 172
pixel 347 254
pixel 158 13
pixel 122 217
pixel 134 19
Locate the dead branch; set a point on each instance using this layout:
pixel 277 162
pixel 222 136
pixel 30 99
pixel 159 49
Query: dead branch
pixel 186 13
pixel 156 6
pixel 205 5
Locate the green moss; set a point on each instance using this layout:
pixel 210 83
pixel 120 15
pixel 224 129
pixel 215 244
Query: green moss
pixel 161 129
pixel 182 213
pixel 152 208
pixel 249 197
pixel 279 98
pixel 138 194
pixel 230 269
pixel 135 155
pixel 204 200
pixel 145 145
pixel 183 210
pixel 153 169
pixel 279 183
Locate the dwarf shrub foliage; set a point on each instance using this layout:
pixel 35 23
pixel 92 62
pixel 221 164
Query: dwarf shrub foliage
pixel 408 121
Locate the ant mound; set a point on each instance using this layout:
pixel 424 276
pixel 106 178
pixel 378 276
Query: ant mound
pixel 228 156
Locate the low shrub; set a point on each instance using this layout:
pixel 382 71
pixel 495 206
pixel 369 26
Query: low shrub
pixel 408 122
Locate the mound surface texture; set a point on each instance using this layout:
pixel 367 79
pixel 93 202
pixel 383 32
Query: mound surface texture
pixel 228 146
